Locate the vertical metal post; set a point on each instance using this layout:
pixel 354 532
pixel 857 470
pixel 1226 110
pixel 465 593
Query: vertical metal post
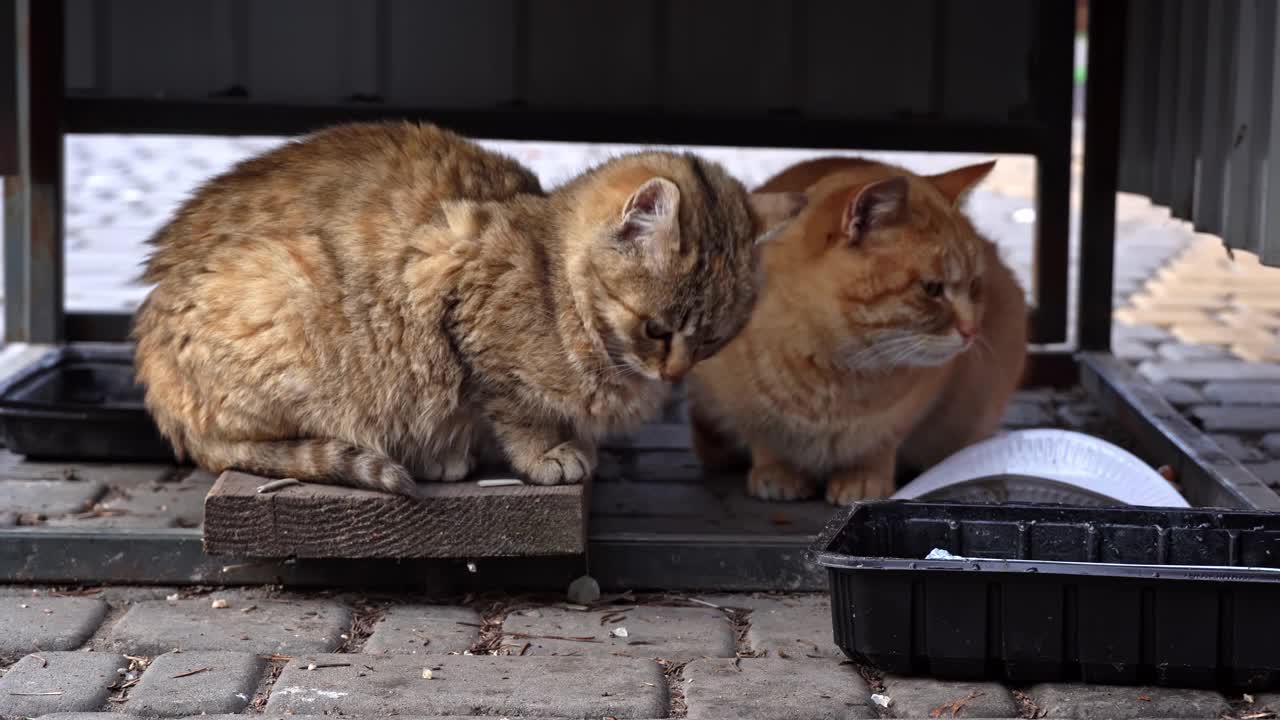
pixel 33 274
pixel 1215 122
pixel 1054 90
pixel 1101 171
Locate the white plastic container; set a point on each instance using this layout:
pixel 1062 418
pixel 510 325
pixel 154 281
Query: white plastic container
pixel 1066 459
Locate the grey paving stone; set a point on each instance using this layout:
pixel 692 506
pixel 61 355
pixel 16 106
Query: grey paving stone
pixel 1179 394
pixel 793 627
pixel 381 685
pixel 1132 350
pixel 1180 352
pixel 772 689
pixel 48 497
pixel 15 467
pixel 1237 448
pixel 654 436
pixel 88 716
pixel 32 624
pixel 1023 414
pixel 666 466
pixel 646 500
pixel 81 679
pixel 280 716
pixel 1271 443
pixel 1209 370
pixel 1125 703
pixel 1139 333
pixel 168 504
pixel 670 633
pixel 1078 416
pixel 424 630
pixel 287 627
pixel 1243 393
pixel 194 683
pixel 929 698
pixel 1238 418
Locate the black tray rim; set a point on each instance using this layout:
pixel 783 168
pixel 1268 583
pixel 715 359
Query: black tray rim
pixel 49 362
pixel 819 552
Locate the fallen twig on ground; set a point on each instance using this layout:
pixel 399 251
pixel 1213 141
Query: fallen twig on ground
pixel 955 706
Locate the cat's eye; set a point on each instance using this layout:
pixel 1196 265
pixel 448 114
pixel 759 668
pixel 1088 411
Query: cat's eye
pixel 933 289
pixel 656 330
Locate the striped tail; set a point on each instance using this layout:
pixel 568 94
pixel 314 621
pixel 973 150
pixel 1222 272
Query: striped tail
pixel 331 462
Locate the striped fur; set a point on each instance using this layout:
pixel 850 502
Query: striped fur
pixel 380 302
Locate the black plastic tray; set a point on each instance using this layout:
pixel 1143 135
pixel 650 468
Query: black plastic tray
pixel 80 403
pixel 1108 595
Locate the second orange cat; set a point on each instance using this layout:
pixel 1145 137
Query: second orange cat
pixel 886 329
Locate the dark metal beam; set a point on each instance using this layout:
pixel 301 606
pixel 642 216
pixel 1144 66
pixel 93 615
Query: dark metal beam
pixel 1053 97
pixel 9 90
pixel 1101 173
pixel 33 272
pixel 672 563
pixel 239 117
pixel 98 327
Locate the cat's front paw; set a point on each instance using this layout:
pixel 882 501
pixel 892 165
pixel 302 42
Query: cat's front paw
pixel 447 469
pixel 779 482
pixel 564 464
pixel 850 486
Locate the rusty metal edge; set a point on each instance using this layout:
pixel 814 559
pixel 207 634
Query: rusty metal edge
pixel 1209 477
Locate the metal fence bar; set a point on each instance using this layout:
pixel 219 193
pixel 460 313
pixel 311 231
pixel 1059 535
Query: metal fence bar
pixel 1237 191
pixel 1166 90
pixel 1054 29
pixel 1216 99
pixel 1138 122
pixel 1264 54
pixel 1188 98
pixel 1268 204
pixel 1101 170
pixel 33 198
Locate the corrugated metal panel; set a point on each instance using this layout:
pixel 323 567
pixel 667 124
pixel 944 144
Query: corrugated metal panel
pixel 1200 125
pixel 825 57
pixel 1215 125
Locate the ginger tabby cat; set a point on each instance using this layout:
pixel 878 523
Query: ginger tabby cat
pixel 375 302
pixel 886 329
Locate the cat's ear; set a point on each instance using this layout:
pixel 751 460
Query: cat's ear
pixel 877 205
pixel 954 184
pixel 650 220
pixel 773 210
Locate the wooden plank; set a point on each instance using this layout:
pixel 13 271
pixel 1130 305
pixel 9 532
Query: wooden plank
pixel 452 520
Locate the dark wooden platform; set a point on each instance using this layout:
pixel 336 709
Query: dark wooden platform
pixel 451 520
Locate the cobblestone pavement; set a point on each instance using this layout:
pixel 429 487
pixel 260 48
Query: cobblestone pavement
pixel 120 189
pixel 1204 330
pixel 125 652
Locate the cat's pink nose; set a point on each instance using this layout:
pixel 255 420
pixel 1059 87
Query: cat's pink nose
pixel 968 332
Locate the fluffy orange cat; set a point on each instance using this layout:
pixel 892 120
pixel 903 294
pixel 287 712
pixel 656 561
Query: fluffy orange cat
pixel 887 329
